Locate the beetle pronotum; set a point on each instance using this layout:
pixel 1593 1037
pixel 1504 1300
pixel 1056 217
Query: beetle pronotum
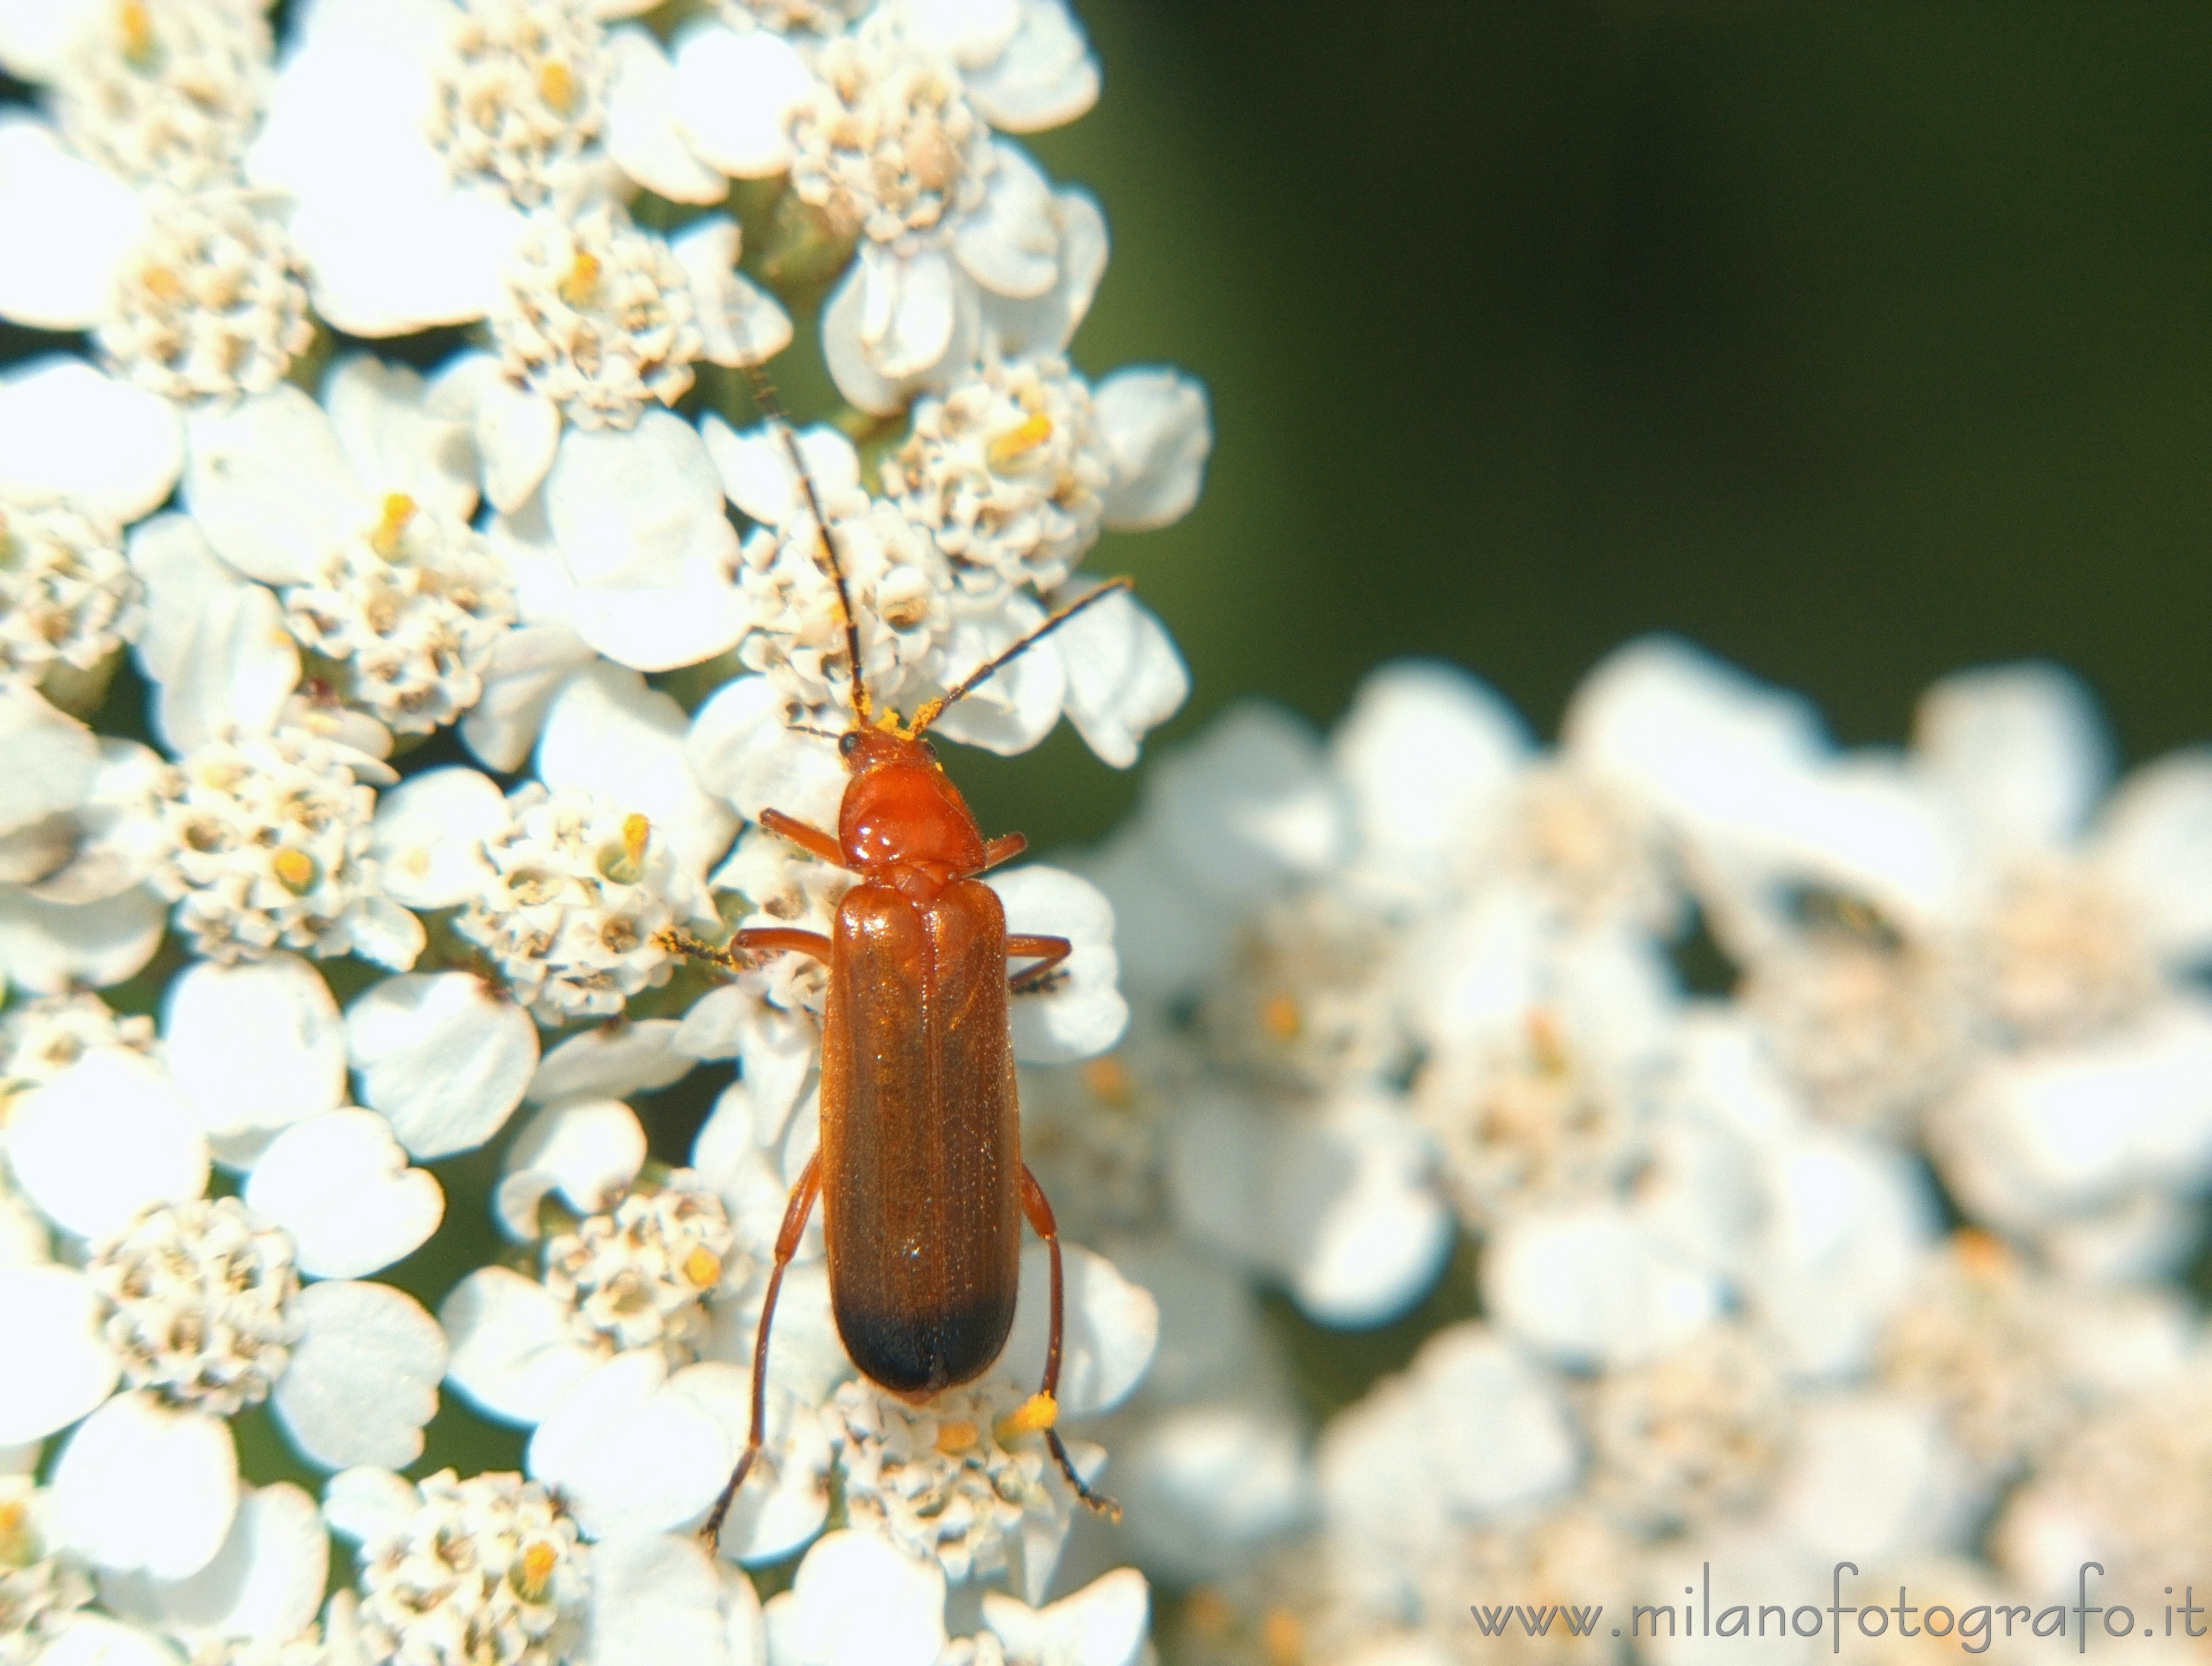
pixel 919 1169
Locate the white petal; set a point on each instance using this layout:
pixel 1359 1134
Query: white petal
pixel 851 356
pixel 1249 805
pixel 514 1355
pixel 740 750
pixel 1045 76
pixel 1875 1476
pixel 1110 1330
pixel 140 1485
pixel 734 95
pixel 517 432
pixel 237 672
pixel 589 1149
pixel 785 1497
pixel 905 309
pixel 47 947
pixel 81 221
pixel 67 430
pixel 1705 741
pixel 742 323
pixel 1014 708
pixel 254 1047
pixel 271 486
pixel 364 1379
pixel 1849 1223
pixel 1085 1014
pixel 182 574
pixel 2156 833
pixel 1203 1485
pixel 340 1184
pixel 104 1139
pixel 627 1454
pixel 608 732
pixel 1340 1205
pixel 368 1503
pixel 757 474
pixel 54 1317
pixel 1593 1287
pixel 264 1584
pixel 1427 752
pixel 1011 245
pixel 1159 430
pixel 50 758
pixel 1043 325
pixel 641 133
pixel 394 441
pixel 2018 752
pixel 1102 1625
pixel 37 37
pixel 430 831
pixel 93 1639
pixel 2061 1131
pixel 444 1058
pixel 529 667
pixel 858 1601
pixel 659 1597
pixel 1124 675
pixel 610 1063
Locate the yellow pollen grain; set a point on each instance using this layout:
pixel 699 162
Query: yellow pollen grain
pixel 1282 1639
pixel 954 1437
pixel 1108 1078
pixel 1207 1613
pixel 1982 1255
pixel 1548 1046
pixel 17 1548
pixel 538 1567
pixel 391 523
pixel 558 87
pixel 581 282
pixel 295 871
pixel 1034 1415
pixel 134 20
pixel 703 1267
pixel 1278 1016
pixel 164 285
pixel 636 829
pixel 1017 442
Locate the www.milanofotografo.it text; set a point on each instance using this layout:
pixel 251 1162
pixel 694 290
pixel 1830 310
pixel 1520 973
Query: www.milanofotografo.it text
pixel 1975 1626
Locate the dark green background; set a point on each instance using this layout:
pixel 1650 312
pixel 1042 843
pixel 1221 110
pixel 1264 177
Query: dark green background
pixel 1858 341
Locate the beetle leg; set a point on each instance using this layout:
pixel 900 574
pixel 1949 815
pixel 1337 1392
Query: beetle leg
pixel 1002 849
pixel 1051 949
pixel 786 1246
pixel 756 940
pixel 1040 1217
pixel 811 840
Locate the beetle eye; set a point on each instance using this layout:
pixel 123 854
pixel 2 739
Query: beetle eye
pixel 849 742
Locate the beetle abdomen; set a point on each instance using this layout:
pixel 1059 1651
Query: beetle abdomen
pixel 920 1152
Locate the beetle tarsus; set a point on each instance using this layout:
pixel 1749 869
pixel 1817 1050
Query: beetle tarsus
pixel 1097 1501
pixel 697 948
pixel 711 1535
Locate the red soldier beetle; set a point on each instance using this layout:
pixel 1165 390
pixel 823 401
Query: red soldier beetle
pixel 919 1169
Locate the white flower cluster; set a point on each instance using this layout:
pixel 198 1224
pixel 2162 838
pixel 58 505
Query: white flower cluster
pixel 1800 1152
pixel 378 727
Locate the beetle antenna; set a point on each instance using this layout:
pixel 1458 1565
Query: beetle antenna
pixel 764 396
pixel 932 709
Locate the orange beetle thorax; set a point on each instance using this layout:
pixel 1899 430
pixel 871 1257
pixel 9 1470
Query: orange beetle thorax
pixel 902 822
